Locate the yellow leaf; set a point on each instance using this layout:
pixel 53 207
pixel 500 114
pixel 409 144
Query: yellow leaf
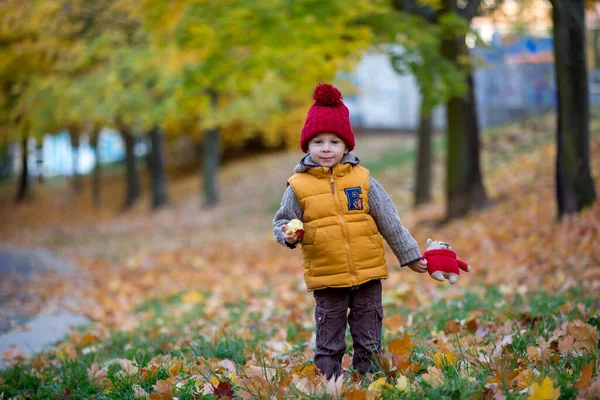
pixel 402 383
pixel 175 369
pixel 545 391
pixel 444 357
pixel 378 385
pixel 193 298
pixel 304 371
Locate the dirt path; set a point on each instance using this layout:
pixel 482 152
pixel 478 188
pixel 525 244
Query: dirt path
pixel 250 192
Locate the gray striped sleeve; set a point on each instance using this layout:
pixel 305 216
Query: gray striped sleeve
pixel 289 209
pixel 384 213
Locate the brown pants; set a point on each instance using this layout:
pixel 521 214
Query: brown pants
pixel 331 314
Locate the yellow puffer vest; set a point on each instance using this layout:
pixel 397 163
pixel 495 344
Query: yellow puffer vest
pixel 341 246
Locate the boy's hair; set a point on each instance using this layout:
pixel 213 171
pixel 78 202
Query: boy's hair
pixel 327 114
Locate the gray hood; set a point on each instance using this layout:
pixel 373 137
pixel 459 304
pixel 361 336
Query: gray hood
pixel 306 162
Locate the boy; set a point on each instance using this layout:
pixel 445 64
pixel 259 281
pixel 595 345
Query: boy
pixel 344 211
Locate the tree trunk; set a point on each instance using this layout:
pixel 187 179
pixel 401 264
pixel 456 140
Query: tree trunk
pixel 211 161
pixel 156 167
pixel 424 158
pixel 97 177
pixel 77 182
pixel 133 187
pixel 596 48
pixel 574 183
pixel 211 167
pixel 464 185
pixel 478 195
pixel 39 160
pixel 24 188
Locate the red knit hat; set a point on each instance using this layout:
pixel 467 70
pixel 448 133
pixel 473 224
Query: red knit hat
pixel 327 114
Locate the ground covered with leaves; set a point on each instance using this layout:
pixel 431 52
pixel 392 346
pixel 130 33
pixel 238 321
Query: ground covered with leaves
pixel 191 304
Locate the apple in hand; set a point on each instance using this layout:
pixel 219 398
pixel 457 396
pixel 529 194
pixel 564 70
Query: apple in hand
pixel 295 226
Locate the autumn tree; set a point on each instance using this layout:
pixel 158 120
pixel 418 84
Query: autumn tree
pixel 25 56
pixel 116 80
pixel 464 183
pixel 574 183
pixel 413 44
pixel 231 51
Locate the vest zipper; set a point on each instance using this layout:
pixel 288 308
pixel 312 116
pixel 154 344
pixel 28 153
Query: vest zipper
pixel 344 231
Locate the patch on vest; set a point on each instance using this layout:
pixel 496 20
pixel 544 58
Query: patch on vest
pixel 354 200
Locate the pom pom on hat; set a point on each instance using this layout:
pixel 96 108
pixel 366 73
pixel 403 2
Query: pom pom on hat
pixel 327 95
pixel 327 114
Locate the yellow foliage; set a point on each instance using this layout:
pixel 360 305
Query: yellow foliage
pixel 544 391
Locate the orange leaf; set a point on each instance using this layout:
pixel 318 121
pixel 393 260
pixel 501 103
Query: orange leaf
pixel 160 396
pixel 175 369
pixel 400 346
pixel 585 378
pixel 401 361
pixel 356 394
pixel 452 327
pixel 164 386
pixel 394 322
pixel 472 325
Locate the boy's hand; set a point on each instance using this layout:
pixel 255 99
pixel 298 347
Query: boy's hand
pixel 291 238
pixel 419 266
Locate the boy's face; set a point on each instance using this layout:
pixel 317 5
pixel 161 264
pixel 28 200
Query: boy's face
pixel 326 149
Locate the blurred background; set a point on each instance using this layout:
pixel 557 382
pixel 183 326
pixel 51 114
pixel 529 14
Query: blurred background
pixel 91 88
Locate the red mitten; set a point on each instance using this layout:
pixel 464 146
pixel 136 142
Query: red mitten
pixel 443 264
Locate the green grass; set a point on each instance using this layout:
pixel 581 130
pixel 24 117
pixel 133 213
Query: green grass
pixel 534 315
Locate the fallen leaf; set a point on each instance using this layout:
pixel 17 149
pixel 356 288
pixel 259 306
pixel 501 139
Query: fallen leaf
pixel 566 344
pixel 260 372
pixel 452 327
pixel 139 392
pixel 304 371
pixel 444 357
pixel 402 383
pixel 585 378
pixel 434 376
pixel 400 346
pixel 545 391
pixel 160 396
pixel 378 385
pixel 472 325
pixel 525 379
pixel 164 386
pixel 224 390
pixel 334 386
pixel 192 298
pixel 97 374
pixel 356 394
pixel 585 335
